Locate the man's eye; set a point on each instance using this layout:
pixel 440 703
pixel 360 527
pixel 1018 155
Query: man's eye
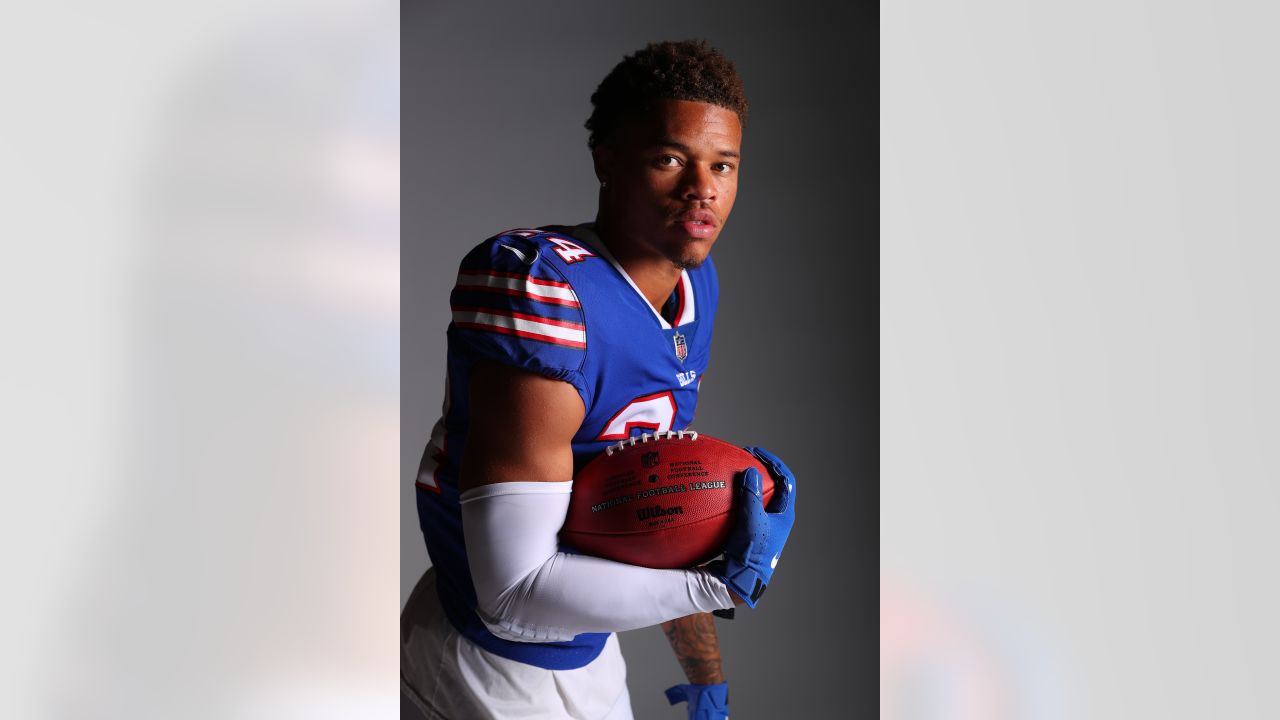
pixel 668 161
pixel 723 167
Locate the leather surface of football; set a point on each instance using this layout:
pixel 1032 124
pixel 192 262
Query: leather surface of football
pixel 661 501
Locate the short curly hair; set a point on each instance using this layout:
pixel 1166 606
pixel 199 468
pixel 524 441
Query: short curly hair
pixel 683 70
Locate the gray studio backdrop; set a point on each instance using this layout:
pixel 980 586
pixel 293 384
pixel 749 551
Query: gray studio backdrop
pixel 494 98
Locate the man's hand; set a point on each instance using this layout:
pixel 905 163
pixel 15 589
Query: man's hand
pixel 756 542
pixel 706 702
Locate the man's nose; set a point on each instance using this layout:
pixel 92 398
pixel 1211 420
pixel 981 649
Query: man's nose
pixel 698 184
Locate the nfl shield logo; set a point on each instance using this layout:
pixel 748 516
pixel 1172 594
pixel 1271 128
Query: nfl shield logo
pixel 682 350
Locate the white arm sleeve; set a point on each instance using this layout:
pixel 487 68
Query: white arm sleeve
pixel 529 591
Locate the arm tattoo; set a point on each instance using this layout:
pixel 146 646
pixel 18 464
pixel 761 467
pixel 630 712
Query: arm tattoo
pixel 694 641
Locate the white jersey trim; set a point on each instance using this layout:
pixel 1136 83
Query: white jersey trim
pixel 548 291
pixel 558 332
pixel 688 311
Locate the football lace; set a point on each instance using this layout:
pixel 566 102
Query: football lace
pixel 646 437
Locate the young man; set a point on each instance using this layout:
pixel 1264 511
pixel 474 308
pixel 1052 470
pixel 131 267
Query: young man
pixel 563 341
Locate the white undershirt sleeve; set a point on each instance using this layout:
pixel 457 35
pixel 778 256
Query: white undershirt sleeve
pixel 529 591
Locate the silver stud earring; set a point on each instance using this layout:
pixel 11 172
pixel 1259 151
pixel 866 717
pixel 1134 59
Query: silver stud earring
pixel 604 184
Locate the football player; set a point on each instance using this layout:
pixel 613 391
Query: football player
pixel 566 339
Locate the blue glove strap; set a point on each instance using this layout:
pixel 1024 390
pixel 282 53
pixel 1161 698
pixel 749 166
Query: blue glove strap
pixel 706 702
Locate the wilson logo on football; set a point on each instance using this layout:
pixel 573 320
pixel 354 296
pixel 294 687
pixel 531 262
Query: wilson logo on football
pixel 658 511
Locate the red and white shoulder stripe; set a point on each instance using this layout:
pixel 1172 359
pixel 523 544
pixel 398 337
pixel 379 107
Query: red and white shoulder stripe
pixel 552 292
pixel 533 327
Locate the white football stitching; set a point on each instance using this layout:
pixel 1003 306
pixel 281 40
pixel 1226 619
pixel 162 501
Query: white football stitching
pixel 646 437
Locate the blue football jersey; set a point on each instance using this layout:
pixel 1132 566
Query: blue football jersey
pixel 553 301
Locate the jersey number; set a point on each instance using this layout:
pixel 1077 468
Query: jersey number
pixel 655 412
pixel 568 251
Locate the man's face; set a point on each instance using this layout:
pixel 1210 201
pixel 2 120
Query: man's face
pixel 672 177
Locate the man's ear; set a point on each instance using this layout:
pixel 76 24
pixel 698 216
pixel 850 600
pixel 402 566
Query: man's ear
pixel 602 157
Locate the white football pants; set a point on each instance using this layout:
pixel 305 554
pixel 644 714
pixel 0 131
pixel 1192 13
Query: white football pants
pixel 447 676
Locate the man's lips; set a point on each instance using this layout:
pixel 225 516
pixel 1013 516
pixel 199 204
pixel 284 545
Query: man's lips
pixel 704 217
pixel 700 224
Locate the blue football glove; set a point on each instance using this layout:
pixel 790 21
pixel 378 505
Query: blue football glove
pixel 758 533
pixel 706 702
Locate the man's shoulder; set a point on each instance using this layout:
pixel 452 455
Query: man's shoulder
pixel 552 247
pixel 513 301
pixel 556 254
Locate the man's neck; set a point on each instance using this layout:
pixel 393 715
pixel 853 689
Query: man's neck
pixel 654 274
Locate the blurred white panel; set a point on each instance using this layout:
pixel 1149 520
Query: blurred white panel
pixel 1079 343
pixel 201 324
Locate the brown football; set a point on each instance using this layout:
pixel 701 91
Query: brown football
pixel 660 500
